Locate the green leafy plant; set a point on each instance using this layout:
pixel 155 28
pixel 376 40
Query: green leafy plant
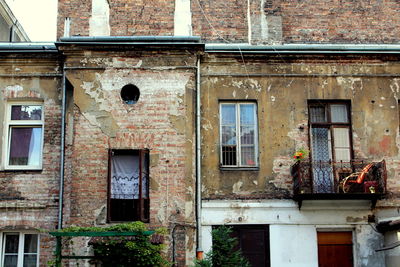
pixel 300 154
pixel 224 252
pixel 123 251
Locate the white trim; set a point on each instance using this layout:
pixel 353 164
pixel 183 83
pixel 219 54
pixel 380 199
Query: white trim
pixel 21 241
pixel 9 124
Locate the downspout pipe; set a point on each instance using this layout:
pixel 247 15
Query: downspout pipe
pixel 62 152
pixel 199 250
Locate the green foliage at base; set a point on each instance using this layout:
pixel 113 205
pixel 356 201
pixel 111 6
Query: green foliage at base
pixel 124 251
pixel 223 253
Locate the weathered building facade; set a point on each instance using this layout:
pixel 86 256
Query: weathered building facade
pixel 266 103
pixel 172 132
pixel 131 105
pixel 30 78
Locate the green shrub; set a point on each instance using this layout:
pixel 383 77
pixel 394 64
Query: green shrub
pixel 124 251
pixel 223 253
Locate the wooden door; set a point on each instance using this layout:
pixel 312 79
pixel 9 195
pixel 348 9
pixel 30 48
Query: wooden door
pixel 335 249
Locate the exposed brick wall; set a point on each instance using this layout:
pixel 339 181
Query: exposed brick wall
pixel 328 21
pixel 220 21
pixel 142 17
pixel 29 199
pixel 162 121
pixel 79 11
pixel 333 21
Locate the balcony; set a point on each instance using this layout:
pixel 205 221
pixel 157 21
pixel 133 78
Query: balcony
pixel 357 179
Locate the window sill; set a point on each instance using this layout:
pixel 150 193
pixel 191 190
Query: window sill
pixel 239 168
pixel 21 170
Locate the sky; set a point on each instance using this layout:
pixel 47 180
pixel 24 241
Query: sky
pixel 37 17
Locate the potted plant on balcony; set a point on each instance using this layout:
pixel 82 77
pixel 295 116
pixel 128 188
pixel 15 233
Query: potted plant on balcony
pixel 300 154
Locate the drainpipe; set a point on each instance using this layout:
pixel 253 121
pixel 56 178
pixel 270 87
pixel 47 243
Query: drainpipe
pixel 62 145
pixel 199 251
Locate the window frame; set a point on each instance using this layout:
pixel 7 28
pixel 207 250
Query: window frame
pixel 21 244
pixel 144 213
pixel 331 125
pixel 237 137
pixel 10 124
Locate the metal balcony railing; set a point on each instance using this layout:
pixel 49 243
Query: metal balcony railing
pixel 357 177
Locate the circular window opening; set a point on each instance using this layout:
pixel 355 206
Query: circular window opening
pixel 130 94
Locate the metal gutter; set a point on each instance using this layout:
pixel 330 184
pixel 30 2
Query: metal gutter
pixel 28 48
pixel 130 40
pixel 199 249
pixel 62 153
pixel 304 49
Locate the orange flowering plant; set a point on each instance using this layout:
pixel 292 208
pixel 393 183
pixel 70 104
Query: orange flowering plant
pixel 300 154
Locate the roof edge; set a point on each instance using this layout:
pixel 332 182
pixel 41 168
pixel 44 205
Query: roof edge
pixel 130 39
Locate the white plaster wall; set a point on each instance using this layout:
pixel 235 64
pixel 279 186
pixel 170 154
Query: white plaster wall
pixel 366 240
pixel 392 256
pixel 293 246
pixel 293 232
pixel 99 23
pixel 206 238
pixel 182 18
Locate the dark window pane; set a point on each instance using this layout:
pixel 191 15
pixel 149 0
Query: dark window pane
pixel 229 156
pixel 11 245
pixel 30 260
pixel 32 112
pixel 30 245
pixel 25 146
pixel 318 114
pixel 10 260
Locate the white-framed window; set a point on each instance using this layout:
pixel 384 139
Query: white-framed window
pixel 19 249
pixel 238 134
pixel 24 136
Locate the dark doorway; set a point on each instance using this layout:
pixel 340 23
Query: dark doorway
pixel 254 243
pixel 335 249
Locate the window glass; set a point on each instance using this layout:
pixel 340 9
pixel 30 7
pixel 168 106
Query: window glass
pixel 228 114
pixel 318 114
pixel 228 135
pixel 25 146
pixel 26 112
pixel 11 245
pixel 30 243
pixel 339 113
pixel 247 156
pixel 11 250
pixel 238 134
pixel 246 114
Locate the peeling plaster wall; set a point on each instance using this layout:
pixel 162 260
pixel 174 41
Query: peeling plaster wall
pixel 161 121
pixel 293 232
pixel 281 87
pixel 29 199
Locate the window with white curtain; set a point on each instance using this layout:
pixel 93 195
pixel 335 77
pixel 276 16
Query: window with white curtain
pixel 330 136
pixel 19 249
pixel 129 185
pixel 24 136
pixel 238 134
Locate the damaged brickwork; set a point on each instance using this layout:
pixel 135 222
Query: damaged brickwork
pixel 161 121
pixel 29 198
pixel 253 21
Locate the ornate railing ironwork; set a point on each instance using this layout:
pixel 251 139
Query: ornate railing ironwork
pixel 339 177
